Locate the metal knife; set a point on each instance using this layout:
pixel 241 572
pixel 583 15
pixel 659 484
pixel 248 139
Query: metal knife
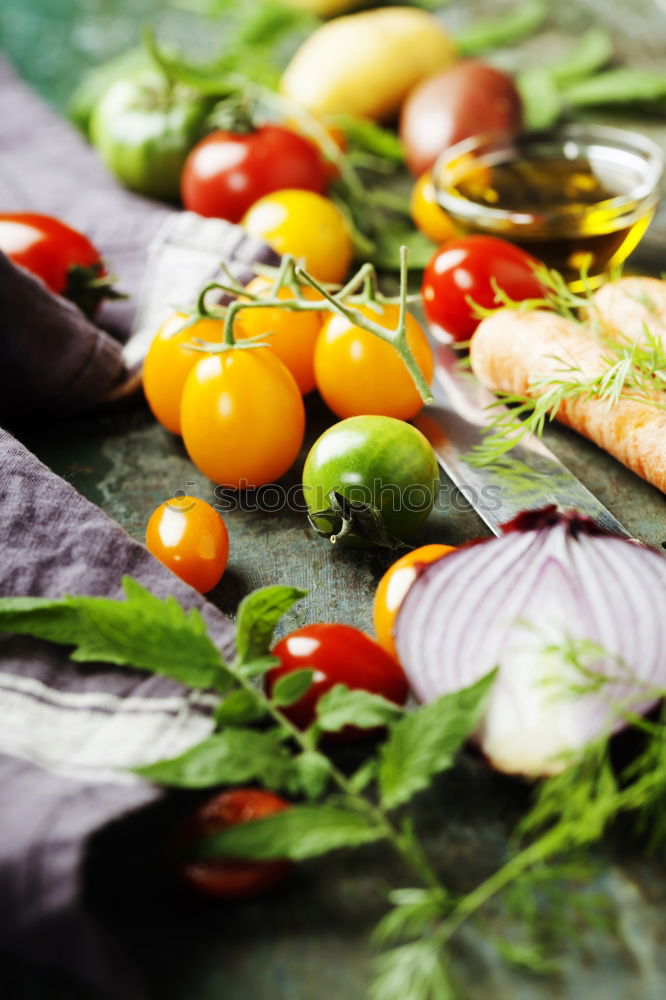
pixel 528 477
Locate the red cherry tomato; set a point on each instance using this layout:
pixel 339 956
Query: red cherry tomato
pixel 464 270
pixel 65 260
pixel 226 173
pixel 190 537
pixel 230 878
pixel 339 654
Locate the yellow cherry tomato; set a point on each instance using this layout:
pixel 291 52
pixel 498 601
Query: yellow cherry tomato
pixel 242 417
pixel 393 588
pixel 190 537
pixel 358 373
pixel 291 335
pixel 306 225
pixel 427 214
pixel 169 361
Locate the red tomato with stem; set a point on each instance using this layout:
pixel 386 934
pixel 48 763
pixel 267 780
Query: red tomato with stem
pixel 227 172
pixel 65 260
pixel 230 878
pixel 190 537
pixel 464 271
pixel 339 654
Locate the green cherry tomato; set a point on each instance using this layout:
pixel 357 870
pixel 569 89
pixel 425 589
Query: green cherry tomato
pixel 375 460
pixel 143 129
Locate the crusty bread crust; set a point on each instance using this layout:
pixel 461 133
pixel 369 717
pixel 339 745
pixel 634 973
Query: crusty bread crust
pixel 510 350
pixel 629 306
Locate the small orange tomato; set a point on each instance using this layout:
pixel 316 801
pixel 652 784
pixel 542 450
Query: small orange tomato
pixel 358 373
pixel 291 335
pixel 169 361
pixel 427 214
pixel 393 588
pixel 243 417
pixel 306 225
pixel 190 537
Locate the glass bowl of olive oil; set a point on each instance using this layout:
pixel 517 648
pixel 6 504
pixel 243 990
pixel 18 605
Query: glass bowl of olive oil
pixel 579 198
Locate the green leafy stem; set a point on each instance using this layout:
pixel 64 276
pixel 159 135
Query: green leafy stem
pixel 254 741
pixel 360 290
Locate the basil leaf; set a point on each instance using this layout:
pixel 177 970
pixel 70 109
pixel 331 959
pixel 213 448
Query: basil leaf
pixel 258 667
pixel 231 757
pixel 300 832
pixel 238 708
pixel 290 687
pixel 388 240
pixel 342 706
pixel 258 614
pixel 425 742
pixel 143 631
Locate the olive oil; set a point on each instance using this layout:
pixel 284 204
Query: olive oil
pixel 574 213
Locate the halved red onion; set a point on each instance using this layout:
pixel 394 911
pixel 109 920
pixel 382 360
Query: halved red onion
pixel 553 584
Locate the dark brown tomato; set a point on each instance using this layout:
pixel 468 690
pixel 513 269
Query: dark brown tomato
pixel 469 99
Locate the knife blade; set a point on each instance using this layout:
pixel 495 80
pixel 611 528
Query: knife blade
pixel 528 477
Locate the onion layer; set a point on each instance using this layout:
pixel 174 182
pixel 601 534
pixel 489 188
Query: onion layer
pixel 574 618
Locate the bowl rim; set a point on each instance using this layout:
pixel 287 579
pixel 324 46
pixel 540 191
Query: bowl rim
pixel 584 134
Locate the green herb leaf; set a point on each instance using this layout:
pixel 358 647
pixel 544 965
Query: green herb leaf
pixel 300 832
pixel 425 742
pixel 258 667
pixel 362 777
pixel 624 85
pixel 239 708
pixel 342 706
pixel 592 51
pixel 258 614
pixel 391 237
pixel 415 971
pixel 413 911
pixel 371 138
pixel 312 771
pixel 290 687
pixel 230 757
pixel 503 30
pixel 143 632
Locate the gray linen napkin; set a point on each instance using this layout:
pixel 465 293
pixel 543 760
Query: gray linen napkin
pixel 68 732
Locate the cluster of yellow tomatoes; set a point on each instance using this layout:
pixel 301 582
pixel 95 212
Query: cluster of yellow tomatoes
pixel 239 407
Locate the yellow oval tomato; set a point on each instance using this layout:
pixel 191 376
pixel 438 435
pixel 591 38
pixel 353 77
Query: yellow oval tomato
pixel 393 588
pixel 358 373
pixel 169 361
pixel 190 537
pixel 306 225
pixel 291 335
pixel 242 417
pixel 428 216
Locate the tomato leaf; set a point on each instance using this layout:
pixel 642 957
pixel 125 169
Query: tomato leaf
pixel 297 833
pixel 259 666
pixel 425 742
pixel 230 757
pixel 258 614
pixel 362 777
pixel 291 687
pixel 238 708
pixel 342 706
pixel 143 632
pixel 312 771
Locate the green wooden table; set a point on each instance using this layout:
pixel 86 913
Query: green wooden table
pixel 309 942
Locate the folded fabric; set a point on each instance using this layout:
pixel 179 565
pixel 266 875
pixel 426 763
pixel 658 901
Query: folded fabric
pixel 69 732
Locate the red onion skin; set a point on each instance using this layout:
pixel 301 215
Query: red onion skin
pixel 551 578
